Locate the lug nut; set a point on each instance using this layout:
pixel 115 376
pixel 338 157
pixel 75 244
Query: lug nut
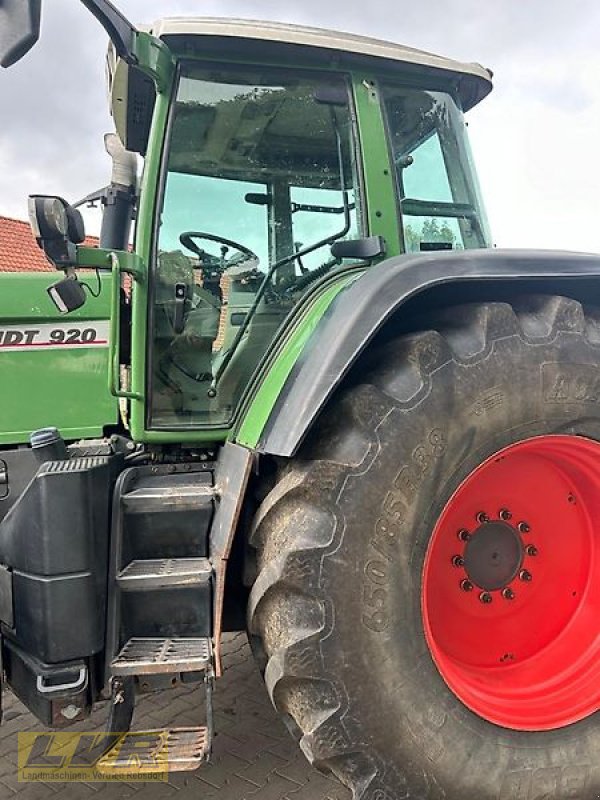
pixel 525 575
pixel 523 527
pixel 464 535
pixel 531 550
pixel 482 517
pixel 504 514
pixel 485 597
pixel 458 561
pixel 466 585
pixel 508 594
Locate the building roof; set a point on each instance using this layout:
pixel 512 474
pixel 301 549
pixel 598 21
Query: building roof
pixel 361 46
pixel 19 251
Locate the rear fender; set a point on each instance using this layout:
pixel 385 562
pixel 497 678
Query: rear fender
pixel 386 294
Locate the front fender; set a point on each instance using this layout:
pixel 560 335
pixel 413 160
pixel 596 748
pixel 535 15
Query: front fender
pixel 363 307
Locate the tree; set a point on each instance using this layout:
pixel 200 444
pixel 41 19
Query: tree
pixel 431 231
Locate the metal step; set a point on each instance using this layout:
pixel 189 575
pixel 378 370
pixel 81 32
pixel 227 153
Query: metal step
pixel 164 573
pixel 184 497
pixel 158 656
pixel 141 752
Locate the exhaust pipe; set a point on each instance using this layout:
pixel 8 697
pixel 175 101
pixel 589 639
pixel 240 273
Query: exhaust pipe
pixel 120 197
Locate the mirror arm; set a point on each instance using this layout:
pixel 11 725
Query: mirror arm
pixel 120 31
pixel 93 197
pixel 21 26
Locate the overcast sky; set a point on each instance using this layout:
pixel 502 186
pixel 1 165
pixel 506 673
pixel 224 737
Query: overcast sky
pixel 535 138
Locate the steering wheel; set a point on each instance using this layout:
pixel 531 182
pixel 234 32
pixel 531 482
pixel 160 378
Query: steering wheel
pixel 187 240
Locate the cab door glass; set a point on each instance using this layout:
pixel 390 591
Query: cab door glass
pixel 260 181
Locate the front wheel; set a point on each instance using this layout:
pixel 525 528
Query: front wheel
pixel 428 594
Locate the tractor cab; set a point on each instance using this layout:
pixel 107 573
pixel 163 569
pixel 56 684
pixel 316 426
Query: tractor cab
pixel 287 156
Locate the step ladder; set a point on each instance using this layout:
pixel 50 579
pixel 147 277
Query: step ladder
pixel 160 613
pixel 157 656
pixel 162 750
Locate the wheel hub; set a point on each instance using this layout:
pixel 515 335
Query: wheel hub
pixel 511 585
pixel 493 555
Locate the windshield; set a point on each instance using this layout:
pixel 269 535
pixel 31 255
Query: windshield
pixel 438 193
pixel 260 181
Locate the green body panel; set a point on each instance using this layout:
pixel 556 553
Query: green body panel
pixel 380 195
pixel 279 366
pixel 155 60
pixel 45 384
pixel 143 247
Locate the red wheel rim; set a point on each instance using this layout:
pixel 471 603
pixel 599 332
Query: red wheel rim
pixel 511 585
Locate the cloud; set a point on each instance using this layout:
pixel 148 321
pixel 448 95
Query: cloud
pixel 535 138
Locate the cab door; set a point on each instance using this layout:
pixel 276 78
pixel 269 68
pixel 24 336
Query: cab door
pixel 259 178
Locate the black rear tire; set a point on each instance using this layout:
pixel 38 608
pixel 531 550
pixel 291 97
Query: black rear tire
pixel 341 540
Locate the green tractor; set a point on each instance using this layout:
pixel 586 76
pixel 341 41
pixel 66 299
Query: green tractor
pixel 310 399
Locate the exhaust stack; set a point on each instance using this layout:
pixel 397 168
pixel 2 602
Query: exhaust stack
pixel 120 197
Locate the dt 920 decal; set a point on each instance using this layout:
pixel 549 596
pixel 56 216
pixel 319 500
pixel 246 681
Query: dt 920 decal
pixel 92 333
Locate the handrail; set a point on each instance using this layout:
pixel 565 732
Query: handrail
pixel 114 376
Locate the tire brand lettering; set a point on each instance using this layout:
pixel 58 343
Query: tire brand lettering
pixel 570 383
pixel 389 525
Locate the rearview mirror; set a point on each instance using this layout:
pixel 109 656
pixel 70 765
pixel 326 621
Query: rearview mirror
pixel 57 227
pixel 363 249
pixel 332 94
pixel 19 28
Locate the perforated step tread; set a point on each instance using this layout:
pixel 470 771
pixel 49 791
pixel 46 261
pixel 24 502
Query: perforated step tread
pixel 140 752
pixel 168 498
pixel 159 573
pixel 158 656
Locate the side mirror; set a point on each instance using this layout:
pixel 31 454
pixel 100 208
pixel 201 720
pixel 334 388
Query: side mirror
pixel 57 227
pixel 363 249
pixel 332 94
pixel 19 28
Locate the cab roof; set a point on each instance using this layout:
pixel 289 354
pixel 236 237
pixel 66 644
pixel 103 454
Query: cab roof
pixel 180 33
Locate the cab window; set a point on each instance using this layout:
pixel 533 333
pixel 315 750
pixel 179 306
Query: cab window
pixel 260 181
pixel 439 198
